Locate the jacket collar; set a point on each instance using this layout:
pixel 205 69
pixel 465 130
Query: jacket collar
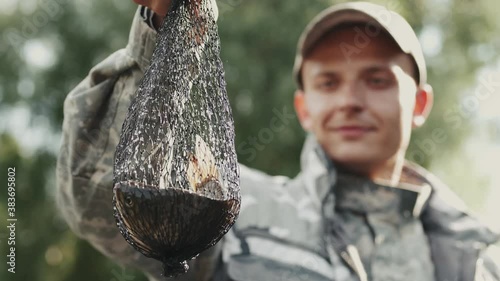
pixel 447 214
pixel 443 212
pixel 317 170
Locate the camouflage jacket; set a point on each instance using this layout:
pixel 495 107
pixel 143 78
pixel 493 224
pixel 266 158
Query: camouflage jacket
pixel 320 225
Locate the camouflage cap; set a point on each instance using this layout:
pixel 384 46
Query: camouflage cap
pixel 376 17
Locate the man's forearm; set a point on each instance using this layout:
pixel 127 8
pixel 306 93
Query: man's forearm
pixel 93 115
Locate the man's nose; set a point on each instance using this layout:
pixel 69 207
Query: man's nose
pixel 350 98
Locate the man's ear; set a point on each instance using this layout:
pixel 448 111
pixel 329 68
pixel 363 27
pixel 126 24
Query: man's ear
pixel 424 99
pixel 300 105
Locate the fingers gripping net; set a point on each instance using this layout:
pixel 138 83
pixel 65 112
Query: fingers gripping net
pixel 176 179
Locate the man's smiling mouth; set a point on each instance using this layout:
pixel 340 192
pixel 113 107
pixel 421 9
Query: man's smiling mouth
pixel 353 131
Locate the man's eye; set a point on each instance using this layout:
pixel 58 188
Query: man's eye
pixel 328 84
pixel 379 82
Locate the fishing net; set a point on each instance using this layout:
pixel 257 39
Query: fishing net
pixel 176 179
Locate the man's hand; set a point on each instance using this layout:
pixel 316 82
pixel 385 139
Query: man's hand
pixel 160 7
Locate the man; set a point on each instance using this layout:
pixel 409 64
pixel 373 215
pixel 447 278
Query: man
pixel 356 211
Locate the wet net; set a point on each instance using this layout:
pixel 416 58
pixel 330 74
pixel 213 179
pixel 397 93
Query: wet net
pixel 176 179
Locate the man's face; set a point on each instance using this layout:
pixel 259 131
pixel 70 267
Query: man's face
pixel 359 107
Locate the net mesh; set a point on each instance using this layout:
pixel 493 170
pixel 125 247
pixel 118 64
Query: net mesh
pixel 175 169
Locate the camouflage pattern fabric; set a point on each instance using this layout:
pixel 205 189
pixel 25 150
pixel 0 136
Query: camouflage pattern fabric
pixel 283 232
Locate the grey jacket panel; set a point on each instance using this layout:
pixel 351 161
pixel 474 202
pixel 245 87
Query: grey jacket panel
pixel 462 244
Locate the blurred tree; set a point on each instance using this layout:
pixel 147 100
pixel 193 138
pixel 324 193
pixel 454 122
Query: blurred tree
pixel 48 46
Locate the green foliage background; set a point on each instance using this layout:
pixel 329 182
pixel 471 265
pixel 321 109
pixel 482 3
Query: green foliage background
pixel 258 45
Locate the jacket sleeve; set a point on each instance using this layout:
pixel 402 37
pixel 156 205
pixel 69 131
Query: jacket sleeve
pixel 93 116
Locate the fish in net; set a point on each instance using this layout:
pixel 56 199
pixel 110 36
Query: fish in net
pixel 176 176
